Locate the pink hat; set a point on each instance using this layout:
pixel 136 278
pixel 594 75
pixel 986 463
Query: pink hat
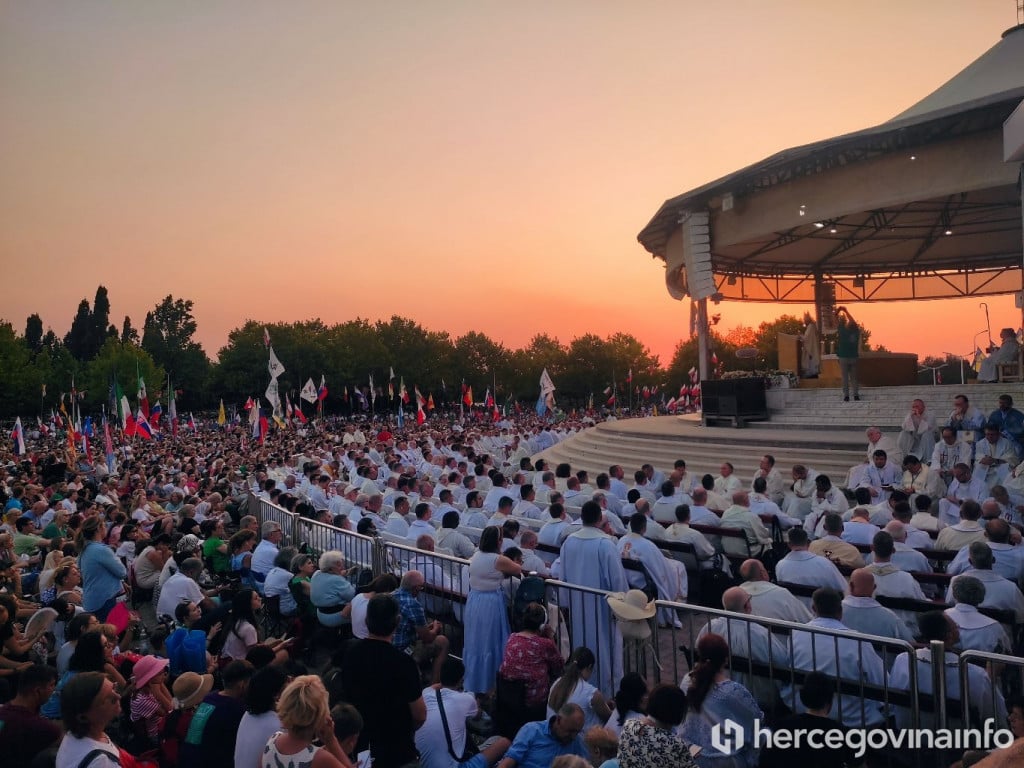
pixel 147 668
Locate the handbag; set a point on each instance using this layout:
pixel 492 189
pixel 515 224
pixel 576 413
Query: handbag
pixel 470 749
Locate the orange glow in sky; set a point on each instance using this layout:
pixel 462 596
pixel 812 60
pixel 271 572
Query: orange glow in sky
pixel 471 165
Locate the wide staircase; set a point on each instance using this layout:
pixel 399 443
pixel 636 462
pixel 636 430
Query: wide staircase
pixel 807 426
pixel 884 407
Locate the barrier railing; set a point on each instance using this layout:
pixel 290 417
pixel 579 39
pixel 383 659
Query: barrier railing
pixel 762 649
pixel 267 510
pixel 1007 675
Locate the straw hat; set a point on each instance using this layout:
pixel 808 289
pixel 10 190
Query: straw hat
pixel 190 688
pixel 146 669
pixel 631 606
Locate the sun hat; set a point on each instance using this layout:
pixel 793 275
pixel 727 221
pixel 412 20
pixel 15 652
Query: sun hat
pixel 146 669
pixel 190 688
pixel 632 612
pixel 631 606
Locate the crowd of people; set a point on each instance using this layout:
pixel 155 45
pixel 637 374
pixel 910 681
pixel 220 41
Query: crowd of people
pixel 148 615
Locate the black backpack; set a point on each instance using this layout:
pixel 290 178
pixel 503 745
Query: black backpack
pixel 531 589
pixel 713 583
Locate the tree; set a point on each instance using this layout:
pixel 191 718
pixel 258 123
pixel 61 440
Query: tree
pixel 19 382
pixel 767 341
pixel 483 363
pixel 34 333
pixel 100 327
pixel 167 338
pixel 123 362
pixel 77 338
pixel 128 334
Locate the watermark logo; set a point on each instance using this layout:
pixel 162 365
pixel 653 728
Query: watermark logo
pixel 727 737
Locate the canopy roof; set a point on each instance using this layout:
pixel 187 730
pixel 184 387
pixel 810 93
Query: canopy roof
pixel 921 206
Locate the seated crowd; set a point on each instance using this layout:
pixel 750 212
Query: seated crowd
pixel 149 612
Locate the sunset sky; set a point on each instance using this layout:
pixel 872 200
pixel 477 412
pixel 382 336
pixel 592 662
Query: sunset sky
pixel 471 165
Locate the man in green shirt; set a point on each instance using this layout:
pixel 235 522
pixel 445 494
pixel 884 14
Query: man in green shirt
pixel 848 350
pixel 26 542
pixel 215 549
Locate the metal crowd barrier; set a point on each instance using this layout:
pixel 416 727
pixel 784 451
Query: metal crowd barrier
pixel 761 648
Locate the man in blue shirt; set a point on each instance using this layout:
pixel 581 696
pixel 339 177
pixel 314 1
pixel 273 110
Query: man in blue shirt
pixel 414 635
pixel 537 744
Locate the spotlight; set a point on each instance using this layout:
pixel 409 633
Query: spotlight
pixel 819 225
pixel 949 232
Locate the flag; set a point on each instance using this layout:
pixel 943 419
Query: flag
pixel 420 415
pixel 274 365
pixel 248 404
pixel 547 391
pixel 443 387
pixel 693 374
pixel 266 337
pixel 373 392
pixel 192 422
pixel 344 393
pixel 142 428
pixel 254 415
pixel 420 400
pixel 222 417
pixel 590 403
pixel 19 437
pixel 273 397
pixel 358 393
pixel 109 445
pixel 155 414
pixel 264 426
pixel 143 399
pixel 938 377
pixel 488 400
pixel 401 416
pixel 610 399
pixel 87 428
pixel 467 396
pixel 72 450
pixel 172 410
pixel 714 358
pixel 299 414
pixel 125 419
pixel 288 406
pixel 321 394
pixel 391 373
pixel 671 404
pixel 391 378
pixel 629 376
pixel 402 391
pixel 56 419
pixel 44 391
pixel 42 427
pixel 495 413
pixel 430 402
pixel 309 393
pixel 979 358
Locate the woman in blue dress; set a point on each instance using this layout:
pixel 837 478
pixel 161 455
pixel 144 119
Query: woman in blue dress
pixel 486 616
pixel 713 698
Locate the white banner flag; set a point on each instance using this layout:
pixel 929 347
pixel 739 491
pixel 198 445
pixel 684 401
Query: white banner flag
pixel 276 369
pixel 308 392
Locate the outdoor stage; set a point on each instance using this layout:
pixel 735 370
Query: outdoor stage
pixel 807 426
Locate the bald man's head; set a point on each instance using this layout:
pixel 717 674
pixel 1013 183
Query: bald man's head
pixel 897 530
pixel 753 570
pixel 862 583
pixel 736 599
